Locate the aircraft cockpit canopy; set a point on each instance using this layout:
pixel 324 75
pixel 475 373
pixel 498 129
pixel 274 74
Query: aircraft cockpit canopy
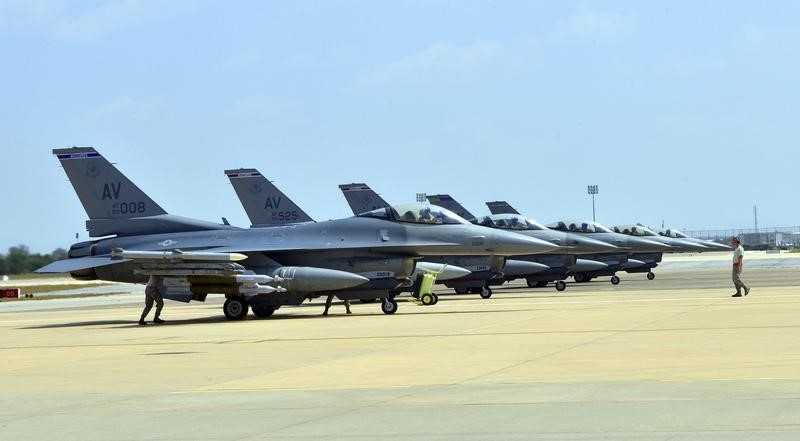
pixel 675 234
pixel 634 230
pixel 417 214
pixel 579 227
pixel 510 222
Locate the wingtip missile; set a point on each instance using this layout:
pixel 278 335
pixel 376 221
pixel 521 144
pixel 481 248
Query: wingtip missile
pixel 177 255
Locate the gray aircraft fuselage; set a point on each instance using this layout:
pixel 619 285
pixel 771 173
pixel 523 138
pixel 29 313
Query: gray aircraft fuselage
pixel 320 243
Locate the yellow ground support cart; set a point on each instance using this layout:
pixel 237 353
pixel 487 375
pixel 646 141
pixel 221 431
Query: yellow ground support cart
pixel 424 287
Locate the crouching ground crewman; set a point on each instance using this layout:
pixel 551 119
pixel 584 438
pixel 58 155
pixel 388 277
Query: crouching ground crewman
pixel 151 294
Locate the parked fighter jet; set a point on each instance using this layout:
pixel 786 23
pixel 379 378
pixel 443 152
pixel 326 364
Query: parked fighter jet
pixel 675 234
pixel 560 265
pixel 639 247
pixel 266 205
pixel 676 246
pixel 485 271
pixel 202 251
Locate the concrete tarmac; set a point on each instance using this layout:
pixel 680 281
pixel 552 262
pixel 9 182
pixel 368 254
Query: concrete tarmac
pixel 671 359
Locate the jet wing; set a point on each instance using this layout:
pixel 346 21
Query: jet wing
pixel 79 263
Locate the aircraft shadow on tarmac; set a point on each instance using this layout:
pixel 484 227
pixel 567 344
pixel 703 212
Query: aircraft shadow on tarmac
pixel 121 324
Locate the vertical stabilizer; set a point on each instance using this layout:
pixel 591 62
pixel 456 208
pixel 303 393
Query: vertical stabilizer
pixel 501 207
pixel 264 203
pixel 446 201
pixel 361 198
pixel 103 190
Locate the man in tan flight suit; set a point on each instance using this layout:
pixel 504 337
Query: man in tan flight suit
pixel 738 258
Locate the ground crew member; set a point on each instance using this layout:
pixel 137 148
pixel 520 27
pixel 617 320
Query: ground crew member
pixel 151 294
pixel 330 300
pixel 738 258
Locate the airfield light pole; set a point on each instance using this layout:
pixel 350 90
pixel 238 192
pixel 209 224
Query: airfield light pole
pixel 592 190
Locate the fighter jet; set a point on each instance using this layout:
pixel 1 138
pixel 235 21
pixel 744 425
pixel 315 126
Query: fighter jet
pixel 486 270
pixel 266 205
pixel 262 268
pixel 560 265
pixel 636 246
pixel 676 246
pixel 675 234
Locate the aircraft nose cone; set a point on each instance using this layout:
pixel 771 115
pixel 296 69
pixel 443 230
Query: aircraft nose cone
pixel 687 246
pixel 647 246
pixel 586 245
pixel 586 265
pixel 719 246
pixel 446 272
pixel 504 243
pixel 523 268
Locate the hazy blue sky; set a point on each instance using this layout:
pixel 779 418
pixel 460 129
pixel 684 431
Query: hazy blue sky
pixel 681 111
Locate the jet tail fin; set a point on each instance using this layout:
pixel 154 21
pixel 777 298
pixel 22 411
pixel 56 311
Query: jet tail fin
pixel 501 207
pixel 446 201
pixel 103 190
pixel 361 198
pixel 114 204
pixel 265 204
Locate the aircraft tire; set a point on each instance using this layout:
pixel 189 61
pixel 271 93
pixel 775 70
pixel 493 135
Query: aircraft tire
pixel 561 285
pixel 262 311
pixel 651 275
pixel 614 280
pixel 435 299
pixel 389 306
pixel 580 278
pixel 461 290
pixel 235 308
pixel 426 299
pixel 486 292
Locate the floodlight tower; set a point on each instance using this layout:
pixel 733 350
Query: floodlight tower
pixel 593 190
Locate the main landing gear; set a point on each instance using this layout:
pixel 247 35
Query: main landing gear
pixel 235 308
pixel 389 306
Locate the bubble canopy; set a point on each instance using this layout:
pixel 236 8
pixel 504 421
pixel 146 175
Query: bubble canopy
pixel 675 234
pixel 510 222
pixel 635 230
pixel 579 227
pixel 417 214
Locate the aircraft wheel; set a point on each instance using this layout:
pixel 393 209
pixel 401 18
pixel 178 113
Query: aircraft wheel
pixel 389 306
pixel 235 308
pixel 532 284
pixel 561 285
pixel 461 290
pixel 263 311
pixel 651 276
pixel 435 299
pixel 580 278
pixel 367 300
pixel 614 280
pixel 426 299
pixel 486 292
